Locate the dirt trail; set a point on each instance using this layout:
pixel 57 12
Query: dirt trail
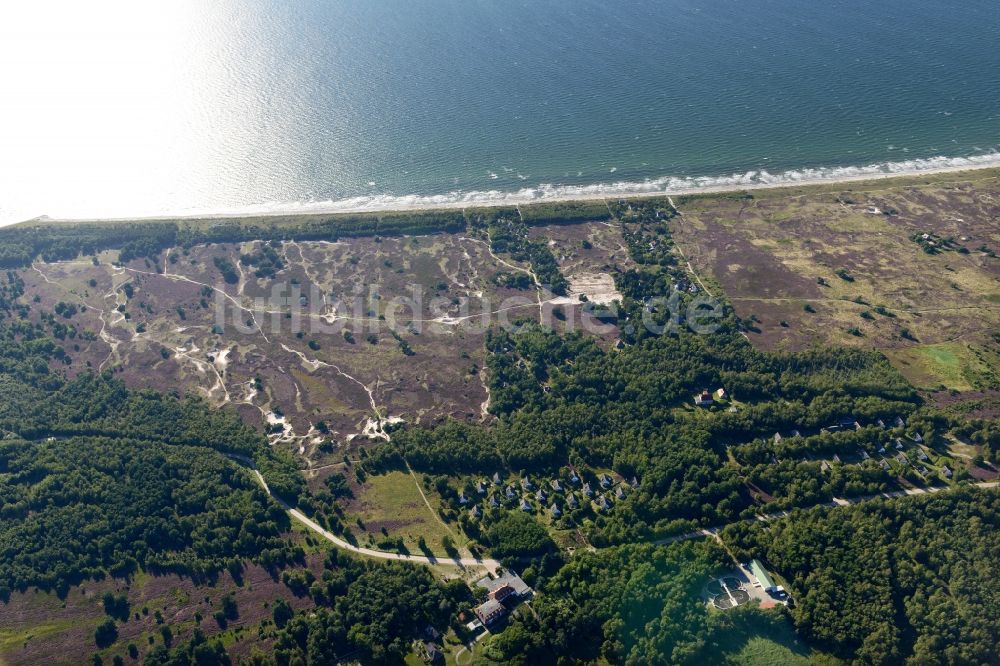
pixel 534 278
pixel 484 408
pixel 684 258
pixel 490 565
pixel 422 495
pixel 103 334
pixel 183 278
pixel 376 426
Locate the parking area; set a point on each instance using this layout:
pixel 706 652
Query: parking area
pixel 740 587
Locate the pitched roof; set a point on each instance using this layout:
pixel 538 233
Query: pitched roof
pixel 760 573
pixel 490 611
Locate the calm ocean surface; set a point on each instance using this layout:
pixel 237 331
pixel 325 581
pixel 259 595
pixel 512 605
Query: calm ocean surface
pixel 117 109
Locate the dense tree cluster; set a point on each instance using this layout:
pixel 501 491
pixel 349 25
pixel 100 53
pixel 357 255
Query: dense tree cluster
pixel 984 432
pixel 265 260
pixel 76 508
pixel 368 611
pixel 21 244
pixel 792 483
pixel 452 447
pixel 627 605
pixel 510 280
pixel 645 231
pixel 365 612
pixel 912 579
pixel 510 235
pixel 227 268
pixel 198 651
pixel 517 534
pixel 97 405
pixel 564 212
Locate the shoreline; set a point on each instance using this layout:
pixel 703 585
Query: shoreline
pixel 704 185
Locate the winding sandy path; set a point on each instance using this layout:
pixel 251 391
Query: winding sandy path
pixel 183 278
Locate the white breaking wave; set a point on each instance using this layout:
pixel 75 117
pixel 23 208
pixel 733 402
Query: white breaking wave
pixel 556 192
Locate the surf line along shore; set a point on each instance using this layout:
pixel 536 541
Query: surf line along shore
pixel 554 194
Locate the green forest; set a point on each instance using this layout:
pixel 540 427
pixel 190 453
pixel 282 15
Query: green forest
pixel 22 243
pixel 97 479
pixel 909 580
pixel 368 611
pixel 84 507
pixel 562 399
pixel 628 604
pixel 100 480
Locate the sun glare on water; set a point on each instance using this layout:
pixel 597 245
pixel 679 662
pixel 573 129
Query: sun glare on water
pixel 97 98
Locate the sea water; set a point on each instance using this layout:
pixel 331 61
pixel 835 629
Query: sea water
pixel 111 109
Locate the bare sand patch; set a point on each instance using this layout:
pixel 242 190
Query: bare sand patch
pixel 598 287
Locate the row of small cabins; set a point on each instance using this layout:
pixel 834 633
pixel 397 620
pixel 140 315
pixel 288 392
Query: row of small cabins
pixel 573 499
pixel 919 450
pixel 853 424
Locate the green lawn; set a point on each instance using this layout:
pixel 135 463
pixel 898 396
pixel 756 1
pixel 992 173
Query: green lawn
pixel 955 365
pixel 393 501
pixel 766 651
pixel 764 638
pixel 12 639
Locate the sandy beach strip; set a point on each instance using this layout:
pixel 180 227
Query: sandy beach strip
pixel 750 182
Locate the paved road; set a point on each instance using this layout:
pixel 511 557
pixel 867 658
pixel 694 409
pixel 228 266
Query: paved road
pixel 464 562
